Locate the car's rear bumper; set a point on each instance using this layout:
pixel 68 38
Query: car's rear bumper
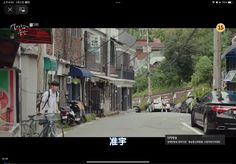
pixel 223 124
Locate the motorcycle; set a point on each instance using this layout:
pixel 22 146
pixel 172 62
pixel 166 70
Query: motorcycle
pixel 74 105
pixel 68 116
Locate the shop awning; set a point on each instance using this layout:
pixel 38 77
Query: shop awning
pixel 81 72
pixel 50 64
pixel 118 82
pixel 230 52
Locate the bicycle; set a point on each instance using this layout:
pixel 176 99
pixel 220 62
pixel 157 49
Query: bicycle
pixel 51 126
pixel 29 127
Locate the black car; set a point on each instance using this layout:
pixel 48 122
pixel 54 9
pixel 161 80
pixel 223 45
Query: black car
pixel 216 110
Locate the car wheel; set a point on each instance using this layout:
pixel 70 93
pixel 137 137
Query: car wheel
pixel 193 124
pixel 206 129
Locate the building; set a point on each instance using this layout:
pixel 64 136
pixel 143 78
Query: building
pixel 230 75
pixel 106 51
pixel 66 50
pixel 28 61
pixel 94 64
pixel 125 61
pixel 156 55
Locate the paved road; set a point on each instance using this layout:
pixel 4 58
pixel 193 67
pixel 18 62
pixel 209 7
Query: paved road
pixel 156 124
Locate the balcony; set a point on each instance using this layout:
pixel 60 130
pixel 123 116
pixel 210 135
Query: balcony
pixel 126 73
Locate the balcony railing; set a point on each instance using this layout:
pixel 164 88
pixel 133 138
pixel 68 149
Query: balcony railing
pixel 125 73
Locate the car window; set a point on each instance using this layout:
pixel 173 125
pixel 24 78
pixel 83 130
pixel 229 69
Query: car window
pixel 223 97
pixel 207 98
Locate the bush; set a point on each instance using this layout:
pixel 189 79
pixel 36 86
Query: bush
pixel 90 117
pixel 203 72
pixel 144 104
pixel 201 89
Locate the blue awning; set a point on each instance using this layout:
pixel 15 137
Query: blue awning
pixel 231 52
pixel 81 72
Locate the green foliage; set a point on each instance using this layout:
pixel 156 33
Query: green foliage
pixel 201 89
pixel 178 64
pixel 165 77
pixel 144 104
pixel 188 57
pixel 90 117
pixel 141 81
pixel 203 71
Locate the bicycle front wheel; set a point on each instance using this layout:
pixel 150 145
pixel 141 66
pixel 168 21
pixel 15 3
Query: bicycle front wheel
pixel 26 131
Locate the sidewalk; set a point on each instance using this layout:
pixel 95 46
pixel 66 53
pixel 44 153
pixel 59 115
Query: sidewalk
pixel 112 113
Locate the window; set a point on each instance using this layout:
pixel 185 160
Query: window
pixel 78 32
pixel 94 46
pixel 60 80
pixel 207 98
pixel 112 58
pixel 231 76
pixel 224 97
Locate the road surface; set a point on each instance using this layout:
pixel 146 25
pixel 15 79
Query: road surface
pixel 155 124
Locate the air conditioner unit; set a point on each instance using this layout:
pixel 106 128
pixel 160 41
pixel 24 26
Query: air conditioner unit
pixel 69 80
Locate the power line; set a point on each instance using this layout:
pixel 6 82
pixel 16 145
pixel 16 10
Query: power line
pixel 89 52
pixel 122 53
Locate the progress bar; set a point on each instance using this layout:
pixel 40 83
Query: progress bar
pixel 118 162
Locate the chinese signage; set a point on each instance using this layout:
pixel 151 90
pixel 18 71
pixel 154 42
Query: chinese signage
pixel 94 46
pixel 117 141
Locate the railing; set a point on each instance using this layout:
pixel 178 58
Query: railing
pixel 125 73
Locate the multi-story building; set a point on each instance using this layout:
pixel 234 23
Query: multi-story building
pixel 108 58
pixel 156 54
pixel 230 72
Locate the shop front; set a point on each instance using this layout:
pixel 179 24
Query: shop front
pixel 76 83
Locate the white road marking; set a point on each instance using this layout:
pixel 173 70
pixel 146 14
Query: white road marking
pixel 196 131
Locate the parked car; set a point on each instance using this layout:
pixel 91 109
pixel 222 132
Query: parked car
pixel 216 110
pixel 158 105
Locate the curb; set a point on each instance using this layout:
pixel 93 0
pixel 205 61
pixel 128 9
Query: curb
pixel 112 113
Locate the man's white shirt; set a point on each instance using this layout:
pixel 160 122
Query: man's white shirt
pixel 51 105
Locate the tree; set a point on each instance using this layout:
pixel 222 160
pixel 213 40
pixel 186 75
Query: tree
pixel 188 53
pixel 203 72
pixel 178 53
pixel 141 81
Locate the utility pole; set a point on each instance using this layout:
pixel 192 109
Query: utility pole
pixel 149 74
pixel 217 61
pixel 108 50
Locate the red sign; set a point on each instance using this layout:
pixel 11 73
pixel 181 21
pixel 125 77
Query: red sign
pixel 3 100
pixel 34 35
